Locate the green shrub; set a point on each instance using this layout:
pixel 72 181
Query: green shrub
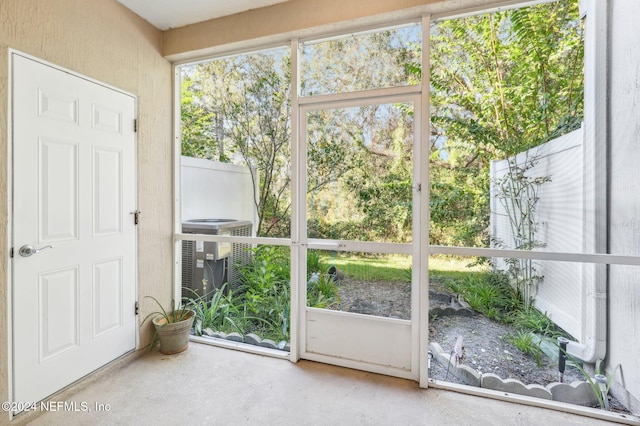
pixel 322 292
pixel 489 294
pixel 493 296
pixel 266 283
pixel 217 313
pixel 538 323
pixel 314 263
pixel 262 302
pixel 523 340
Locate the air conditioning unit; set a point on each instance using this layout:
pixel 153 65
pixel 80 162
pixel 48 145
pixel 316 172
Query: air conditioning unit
pixel 208 265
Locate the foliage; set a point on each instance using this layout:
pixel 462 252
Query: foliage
pixel 500 83
pixel 360 173
pixel 171 317
pixel 492 295
pixel 595 386
pixel 458 206
pixel 517 191
pixel 237 109
pixel 523 340
pixel 360 61
pixel 322 292
pixel 489 294
pixel 407 274
pixel 322 289
pixel 266 284
pixel 197 132
pixel 314 262
pixel 218 313
pixel 261 302
pixel 537 322
pixel 510 81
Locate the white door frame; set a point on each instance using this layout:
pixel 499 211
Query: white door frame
pixel 419 95
pixel 419 249
pixel 9 188
pixel 402 332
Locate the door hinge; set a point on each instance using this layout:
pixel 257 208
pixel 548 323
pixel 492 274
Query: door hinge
pixel 135 125
pixel 136 216
pixel 137 308
pixel 11 252
pixel 418 187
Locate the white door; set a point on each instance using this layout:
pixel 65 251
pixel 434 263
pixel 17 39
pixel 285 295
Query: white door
pixel 73 191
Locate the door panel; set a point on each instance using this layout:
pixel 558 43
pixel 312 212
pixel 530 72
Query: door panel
pixel 330 333
pixel 107 296
pixel 58 190
pixel 359 233
pixel 107 192
pixel 59 312
pixel 73 190
pixel 106 119
pixel 57 106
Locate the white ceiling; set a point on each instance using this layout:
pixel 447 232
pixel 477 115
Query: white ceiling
pixel 166 14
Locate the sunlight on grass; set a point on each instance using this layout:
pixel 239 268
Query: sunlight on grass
pixel 391 268
pixel 396 268
pixel 443 268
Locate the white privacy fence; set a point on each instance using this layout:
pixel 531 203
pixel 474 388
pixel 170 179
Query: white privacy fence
pixel 210 189
pixel 559 215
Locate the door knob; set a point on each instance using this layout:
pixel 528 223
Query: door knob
pixel 28 250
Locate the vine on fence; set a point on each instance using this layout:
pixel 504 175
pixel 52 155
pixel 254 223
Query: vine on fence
pixel 518 193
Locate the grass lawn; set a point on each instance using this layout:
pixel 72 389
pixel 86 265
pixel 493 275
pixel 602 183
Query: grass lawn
pixel 442 268
pixel 396 267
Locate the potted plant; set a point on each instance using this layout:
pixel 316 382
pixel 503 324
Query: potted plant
pixel 171 329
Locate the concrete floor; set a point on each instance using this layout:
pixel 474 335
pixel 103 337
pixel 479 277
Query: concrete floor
pixel 213 386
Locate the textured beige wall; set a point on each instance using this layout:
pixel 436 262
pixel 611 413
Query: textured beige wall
pixel 282 18
pixel 102 40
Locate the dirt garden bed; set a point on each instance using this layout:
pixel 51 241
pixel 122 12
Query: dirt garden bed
pixel 485 347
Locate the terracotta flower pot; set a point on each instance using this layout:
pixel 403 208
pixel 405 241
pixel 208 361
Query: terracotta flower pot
pixel 174 336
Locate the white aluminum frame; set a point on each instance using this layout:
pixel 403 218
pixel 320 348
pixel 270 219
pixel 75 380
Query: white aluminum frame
pixel 429 13
pixel 179 236
pixel 409 94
